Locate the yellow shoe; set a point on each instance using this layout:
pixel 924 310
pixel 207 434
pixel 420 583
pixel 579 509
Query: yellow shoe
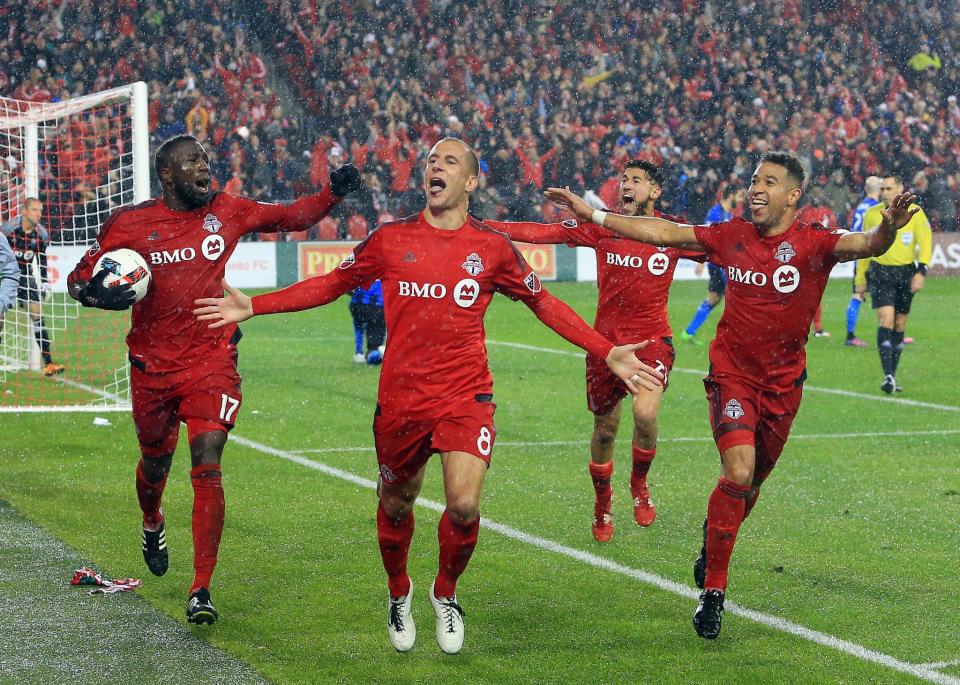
pixel 52 369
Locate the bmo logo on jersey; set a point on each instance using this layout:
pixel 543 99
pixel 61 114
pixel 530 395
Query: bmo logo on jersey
pixel 213 246
pixel 466 292
pixel 183 254
pixel 785 279
pixel 430 291
pixel 657 264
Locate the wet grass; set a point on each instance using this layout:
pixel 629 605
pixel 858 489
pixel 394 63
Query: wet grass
pixel 853 536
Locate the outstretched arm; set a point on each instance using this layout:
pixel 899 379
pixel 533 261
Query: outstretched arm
pixel 874 243
pixel 530 232
pixel 235 306
pixel 558 316
pixel 644 229
pixel 307 211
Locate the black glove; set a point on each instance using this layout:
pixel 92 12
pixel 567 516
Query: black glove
pixel 345 180
pixel 96 294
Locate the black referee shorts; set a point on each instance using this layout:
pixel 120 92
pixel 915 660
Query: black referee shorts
pixel 718 279
pixel 890 286
pixel 29 290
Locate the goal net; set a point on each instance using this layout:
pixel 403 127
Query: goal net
pixel 82 158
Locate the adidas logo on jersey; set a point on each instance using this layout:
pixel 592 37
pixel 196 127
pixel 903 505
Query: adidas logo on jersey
pixel 409 257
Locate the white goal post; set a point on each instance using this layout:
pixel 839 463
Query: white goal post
pixel 83 158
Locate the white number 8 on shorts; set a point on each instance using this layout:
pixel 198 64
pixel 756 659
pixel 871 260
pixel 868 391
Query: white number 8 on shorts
pixel 484 442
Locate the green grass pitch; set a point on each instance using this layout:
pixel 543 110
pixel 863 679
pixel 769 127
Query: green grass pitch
pixel 855 534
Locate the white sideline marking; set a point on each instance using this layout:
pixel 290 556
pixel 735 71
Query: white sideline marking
pixel 698 372
pixel 942 664
pixel 122 405
pixel 550 443
pixel 921 671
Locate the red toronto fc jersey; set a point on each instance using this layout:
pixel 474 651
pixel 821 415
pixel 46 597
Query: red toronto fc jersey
pixel 437 285
pixel 633 278
pixel 187 253
pixel 774 285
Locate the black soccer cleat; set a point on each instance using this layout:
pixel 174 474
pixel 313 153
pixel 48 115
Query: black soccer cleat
pixel 889 384
pixel 700 565
pixel 155 550
pixel 706 619
pixel 200 609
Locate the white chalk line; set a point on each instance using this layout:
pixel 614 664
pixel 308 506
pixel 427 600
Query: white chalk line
pixel 812 388
pixel 559 443
pixel 922 671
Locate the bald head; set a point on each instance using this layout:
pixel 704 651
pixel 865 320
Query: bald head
pixel 471 161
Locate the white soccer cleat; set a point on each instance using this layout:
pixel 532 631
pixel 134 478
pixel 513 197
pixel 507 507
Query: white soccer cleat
pixel 358 358
pixel 449 623
pixel 400 626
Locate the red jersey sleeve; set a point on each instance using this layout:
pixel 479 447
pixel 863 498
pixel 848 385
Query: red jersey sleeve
pixel 567 232
pixel 298 216
pixel 711 237
pixel 360 267
pixel 825 243
pixel 518 281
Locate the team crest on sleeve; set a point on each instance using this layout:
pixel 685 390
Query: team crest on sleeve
pixel 786 278
pixel 348 261
pixel 94 249
pixel 473 265
pixel 569 223
pixel 785 252
pixel 211 223
pixel 733 409
pixel 532 283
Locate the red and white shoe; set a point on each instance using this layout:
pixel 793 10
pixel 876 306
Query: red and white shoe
pixel 644 513
pixel 602 527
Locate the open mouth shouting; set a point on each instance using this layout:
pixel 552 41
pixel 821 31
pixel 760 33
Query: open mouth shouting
pixel 628 201
pixel 436 186
pixel 758 205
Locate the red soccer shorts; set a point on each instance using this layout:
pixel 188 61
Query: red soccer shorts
pixel 743 414
pixel 404 445
pixel 605 389
pixel 204 398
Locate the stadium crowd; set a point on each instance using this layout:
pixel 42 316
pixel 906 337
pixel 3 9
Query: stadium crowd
pixel 548 93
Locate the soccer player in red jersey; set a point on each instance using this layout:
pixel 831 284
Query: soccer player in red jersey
pixel 182 371
pixel 777 268
pixel 625 269
pixel 439 270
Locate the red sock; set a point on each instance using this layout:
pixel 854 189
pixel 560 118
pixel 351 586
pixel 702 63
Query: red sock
pixel 208 511
pixel 456 547
pixel 394 538
pixel 724 516
pixel 750 501
pixel 149 494
pixel 641 465
pixel 818 318
pixel 601 475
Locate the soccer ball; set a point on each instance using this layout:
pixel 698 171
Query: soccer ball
pixel 125 267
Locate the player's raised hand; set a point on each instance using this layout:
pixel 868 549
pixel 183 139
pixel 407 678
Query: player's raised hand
pixel 233 307
pixel 567 198
pixel 344 180
pixel 624 363
pixel 898 214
